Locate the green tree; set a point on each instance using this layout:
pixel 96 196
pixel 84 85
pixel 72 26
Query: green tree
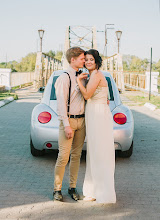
pixel 27 63
pixel 156 66
pixel 136 64
pixel 51 53
pixel 125 66
pixel 3 65
pixel 59 55
pixel 11 65
pixel 145 64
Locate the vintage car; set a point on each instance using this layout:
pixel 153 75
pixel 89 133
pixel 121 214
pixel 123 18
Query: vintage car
pixel 45 123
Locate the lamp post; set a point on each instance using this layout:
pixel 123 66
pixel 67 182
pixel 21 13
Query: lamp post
pixel 41 33
pixel 118 34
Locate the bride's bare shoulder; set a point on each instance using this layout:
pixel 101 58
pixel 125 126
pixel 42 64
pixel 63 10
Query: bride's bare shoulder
pixel 96 73
pixel 100 74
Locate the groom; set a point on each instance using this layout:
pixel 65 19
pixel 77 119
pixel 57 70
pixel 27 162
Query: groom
pixel 70 108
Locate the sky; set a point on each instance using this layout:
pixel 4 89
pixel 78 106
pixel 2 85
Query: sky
pixel 139 21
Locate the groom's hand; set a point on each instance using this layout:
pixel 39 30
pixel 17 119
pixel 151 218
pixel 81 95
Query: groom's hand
pixel 68 132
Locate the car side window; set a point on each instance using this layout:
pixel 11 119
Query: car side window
pixel 53 92
pixel 110 91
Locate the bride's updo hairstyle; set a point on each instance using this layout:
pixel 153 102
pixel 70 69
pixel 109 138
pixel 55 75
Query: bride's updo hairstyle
pixel 97 57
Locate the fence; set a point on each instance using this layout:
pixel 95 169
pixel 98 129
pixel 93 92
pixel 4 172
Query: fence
pixel 5 79
pixel 114 65
pixel 142 81
pixel 9 79
pixel 19 78
pixel 158 85
pixel 135 80
pixel 45 65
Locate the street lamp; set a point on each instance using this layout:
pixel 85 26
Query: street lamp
pixel 118 34
pixel 41 33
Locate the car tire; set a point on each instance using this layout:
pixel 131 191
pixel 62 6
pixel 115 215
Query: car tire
pixel 127 153
pixel 34 151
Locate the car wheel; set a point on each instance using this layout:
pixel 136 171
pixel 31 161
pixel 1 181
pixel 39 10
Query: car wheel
pixel 34 151
pixel 127 153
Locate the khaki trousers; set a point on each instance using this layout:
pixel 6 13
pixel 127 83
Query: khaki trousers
pixel 71 146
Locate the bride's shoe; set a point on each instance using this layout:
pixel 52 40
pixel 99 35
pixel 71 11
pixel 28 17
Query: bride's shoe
pixel 88 198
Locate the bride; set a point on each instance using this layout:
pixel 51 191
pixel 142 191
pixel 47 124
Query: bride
pixel 100 164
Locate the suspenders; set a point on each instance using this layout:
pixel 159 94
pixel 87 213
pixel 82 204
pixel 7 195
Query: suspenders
pixel 68 105
pixel 69 96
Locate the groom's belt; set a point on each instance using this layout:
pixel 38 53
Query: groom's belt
pixel 76 116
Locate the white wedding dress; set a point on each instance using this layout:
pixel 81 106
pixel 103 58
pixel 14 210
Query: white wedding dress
pixel 100 162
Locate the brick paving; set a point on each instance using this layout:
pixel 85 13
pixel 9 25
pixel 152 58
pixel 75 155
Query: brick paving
pixel 26 182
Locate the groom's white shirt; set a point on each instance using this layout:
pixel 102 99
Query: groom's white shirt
pixel 77 102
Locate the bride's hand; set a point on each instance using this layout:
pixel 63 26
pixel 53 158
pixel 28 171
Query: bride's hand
pixel 82 76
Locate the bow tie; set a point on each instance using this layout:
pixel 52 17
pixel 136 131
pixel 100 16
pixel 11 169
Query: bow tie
pixel 78 72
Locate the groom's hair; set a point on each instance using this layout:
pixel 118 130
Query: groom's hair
pixel 73 52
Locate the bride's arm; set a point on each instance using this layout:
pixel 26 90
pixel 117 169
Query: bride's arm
pixel 91 86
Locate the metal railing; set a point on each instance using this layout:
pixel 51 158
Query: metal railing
pixel 135 80
pixel 45 65
pixel 141 81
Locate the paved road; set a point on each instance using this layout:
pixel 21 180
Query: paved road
pixel 26 183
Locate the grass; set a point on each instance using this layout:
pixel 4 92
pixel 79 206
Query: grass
pixel 22 86
pixel 143 98
pixel 5 95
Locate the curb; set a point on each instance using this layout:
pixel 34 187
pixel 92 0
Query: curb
pixel 150 106
pixel 6 101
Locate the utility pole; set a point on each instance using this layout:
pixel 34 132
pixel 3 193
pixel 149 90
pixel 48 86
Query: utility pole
pixel 150 76
pixel 110 26
pixel 105 40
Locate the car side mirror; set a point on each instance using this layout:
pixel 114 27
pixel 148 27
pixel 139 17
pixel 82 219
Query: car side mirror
pixel 120 91
pixel 41 89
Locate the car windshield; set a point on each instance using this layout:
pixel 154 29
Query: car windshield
pixel 110 91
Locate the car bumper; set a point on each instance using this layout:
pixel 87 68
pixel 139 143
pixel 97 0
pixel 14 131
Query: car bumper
pixel 123 136
pixel 41 135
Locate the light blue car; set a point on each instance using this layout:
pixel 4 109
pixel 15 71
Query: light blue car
pixel 45 123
